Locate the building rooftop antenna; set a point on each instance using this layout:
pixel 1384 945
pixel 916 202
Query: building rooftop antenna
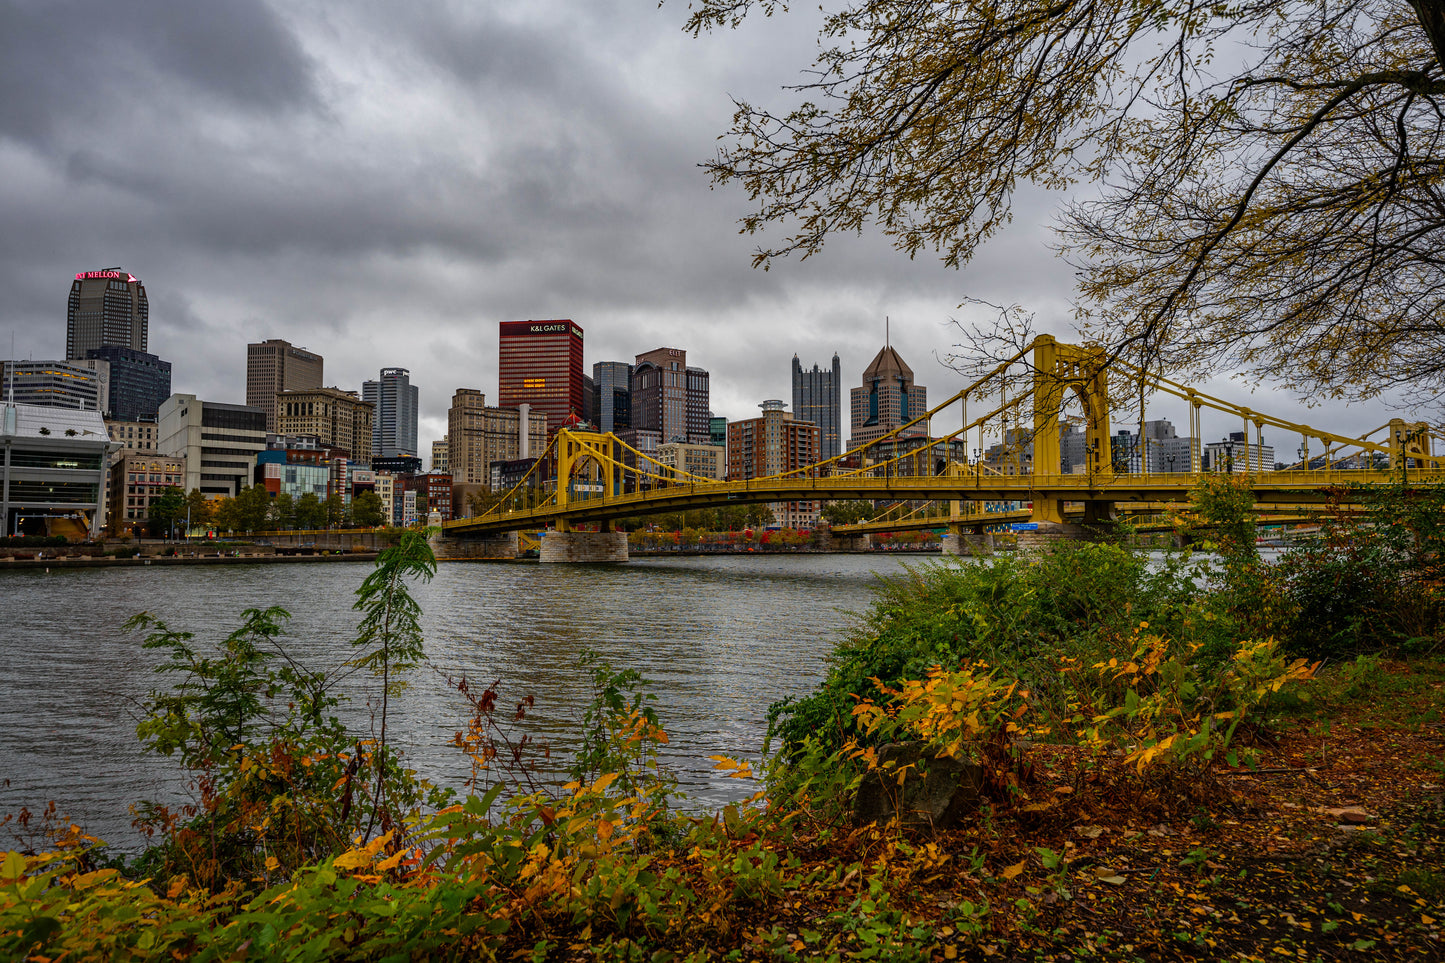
pixel 887 339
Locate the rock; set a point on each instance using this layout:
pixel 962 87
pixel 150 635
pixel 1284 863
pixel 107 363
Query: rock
pixel 935 791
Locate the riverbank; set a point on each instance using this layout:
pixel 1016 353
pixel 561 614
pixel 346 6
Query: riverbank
pixel 1140 771
pixel 1333 847
pixel 256 558
pixel 108 561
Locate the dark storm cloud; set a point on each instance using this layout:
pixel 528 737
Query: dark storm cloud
pixel 71 62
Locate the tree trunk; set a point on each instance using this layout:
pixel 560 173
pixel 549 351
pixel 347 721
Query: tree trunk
pixel 1431 14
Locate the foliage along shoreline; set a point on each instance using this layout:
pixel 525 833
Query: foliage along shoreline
pixel 1086 686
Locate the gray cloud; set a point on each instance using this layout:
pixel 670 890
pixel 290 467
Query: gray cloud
pixel 384 182
pixel 68 64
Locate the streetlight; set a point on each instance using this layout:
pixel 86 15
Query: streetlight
pixel 1170 459
pixel 1405 439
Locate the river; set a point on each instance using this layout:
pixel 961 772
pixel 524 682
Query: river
pixel 721 637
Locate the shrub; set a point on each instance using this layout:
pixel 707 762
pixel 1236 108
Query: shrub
pixel 34 541
pixel 281 783
pixel 1022 615
pixel 1367 585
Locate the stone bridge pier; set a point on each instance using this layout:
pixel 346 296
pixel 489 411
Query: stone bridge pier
pixel 578 548
pixel 581 548
pixel 968 540
pixel 497 546
pixel 1099 525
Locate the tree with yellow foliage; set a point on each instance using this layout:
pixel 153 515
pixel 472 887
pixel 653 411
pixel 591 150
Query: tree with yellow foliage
pixel 1269 185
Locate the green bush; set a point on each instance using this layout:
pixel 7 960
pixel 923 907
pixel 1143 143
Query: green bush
pixel 1367 585
pixel 34 541
pixel 1030 616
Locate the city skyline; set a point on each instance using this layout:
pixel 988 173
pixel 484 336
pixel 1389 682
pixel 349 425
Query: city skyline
pixel 566 189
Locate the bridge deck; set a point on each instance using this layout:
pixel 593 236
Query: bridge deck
pixel 1291 487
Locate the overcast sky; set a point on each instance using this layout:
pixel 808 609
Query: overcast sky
pixel 383 182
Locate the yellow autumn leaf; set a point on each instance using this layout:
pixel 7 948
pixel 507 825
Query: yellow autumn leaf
pixel 1012 871
pixel 354 859
pixel 390 862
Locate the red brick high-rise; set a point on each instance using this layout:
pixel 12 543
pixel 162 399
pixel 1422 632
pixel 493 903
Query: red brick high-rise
pixel 540 364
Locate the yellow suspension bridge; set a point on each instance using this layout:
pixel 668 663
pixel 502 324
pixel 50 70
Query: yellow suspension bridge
pixel 588 480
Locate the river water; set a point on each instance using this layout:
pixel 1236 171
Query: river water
pixel 721 637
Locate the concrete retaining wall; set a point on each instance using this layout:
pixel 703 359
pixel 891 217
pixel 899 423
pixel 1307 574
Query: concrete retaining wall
pixel 339 541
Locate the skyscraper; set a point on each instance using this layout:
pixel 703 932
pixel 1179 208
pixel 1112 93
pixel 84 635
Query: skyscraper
pixel 770 445
pixel 818 397
pixel 54 384
pixel 106 307
pixel 338 419
pixel 273 366
pixel 539 363
pixel 699 398
pixel 478 436
pixel 887 399
pixel 660 392
pixel 139 382
pixel 394 424
pixel 612 385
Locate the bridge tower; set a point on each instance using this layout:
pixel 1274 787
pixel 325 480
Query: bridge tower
pixel 1059 368
pixel 1410 440
pixel 586 462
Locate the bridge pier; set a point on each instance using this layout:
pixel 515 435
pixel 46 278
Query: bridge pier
pixel 833 542
pixel 579 548
pixel 1049 534
pixel 1053 533
pixel 959 541
pixel 498 546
